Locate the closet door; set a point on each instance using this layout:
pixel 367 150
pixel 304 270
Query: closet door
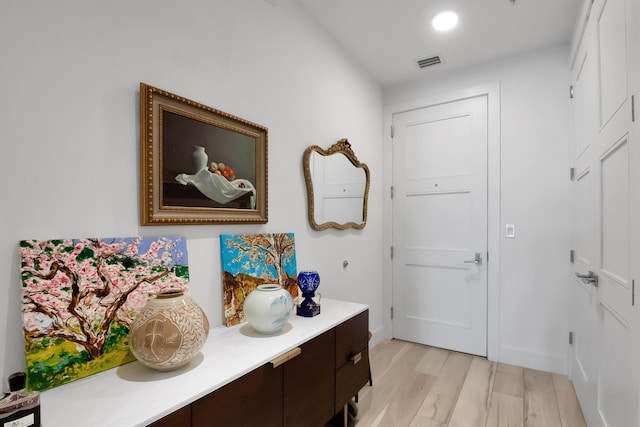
pixel 604 315
pixel 584 353
pixel 617 390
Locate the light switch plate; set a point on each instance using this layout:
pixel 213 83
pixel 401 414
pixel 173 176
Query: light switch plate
pixel 510 231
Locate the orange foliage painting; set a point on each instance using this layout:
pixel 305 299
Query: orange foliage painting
pixel 249 260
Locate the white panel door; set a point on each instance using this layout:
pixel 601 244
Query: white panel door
pixel 440 225
pixel 584 355
pixel 617 391
pixel 603 314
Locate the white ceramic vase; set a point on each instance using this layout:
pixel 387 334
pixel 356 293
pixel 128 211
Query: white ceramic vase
pixel 200 158
pixel 267 308
pixel 169 330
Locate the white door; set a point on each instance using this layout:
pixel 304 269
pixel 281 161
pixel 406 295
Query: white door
pixel 440 225
pixel 585 348
pixel 602 357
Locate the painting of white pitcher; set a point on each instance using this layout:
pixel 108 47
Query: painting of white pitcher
pixel 199 165
pixel 217 181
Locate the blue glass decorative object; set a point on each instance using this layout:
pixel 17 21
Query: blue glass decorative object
pixel 308 282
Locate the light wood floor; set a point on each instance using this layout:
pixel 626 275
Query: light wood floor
pixel 421 386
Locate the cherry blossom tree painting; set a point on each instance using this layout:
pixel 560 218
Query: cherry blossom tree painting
pixel 79 298
pixel 249 260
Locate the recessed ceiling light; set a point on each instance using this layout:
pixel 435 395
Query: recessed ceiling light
pixel 445 21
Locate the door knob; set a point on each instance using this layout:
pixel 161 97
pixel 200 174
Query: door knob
pixel 590 277
pixel 477 260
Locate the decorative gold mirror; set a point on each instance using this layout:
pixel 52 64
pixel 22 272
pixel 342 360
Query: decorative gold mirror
pixel 337 187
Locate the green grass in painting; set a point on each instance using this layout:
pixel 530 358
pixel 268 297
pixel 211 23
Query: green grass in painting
pixel 56 361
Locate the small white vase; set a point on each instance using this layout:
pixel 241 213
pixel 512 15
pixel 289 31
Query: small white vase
pixel 200 158
pixel 267 308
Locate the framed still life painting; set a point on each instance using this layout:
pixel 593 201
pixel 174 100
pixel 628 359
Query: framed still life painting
pixel 199 165
pixel 79 298
pixel 249 260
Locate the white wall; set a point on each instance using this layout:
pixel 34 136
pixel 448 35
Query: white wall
pixel 69 130
pixel 534 268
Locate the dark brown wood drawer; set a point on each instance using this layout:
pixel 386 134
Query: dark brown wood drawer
pixel 351 377
pixel 254 399
pixel 309 381
pixel 179 418
pixel 352 337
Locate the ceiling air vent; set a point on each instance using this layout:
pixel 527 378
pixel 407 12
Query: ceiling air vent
pixel 427 62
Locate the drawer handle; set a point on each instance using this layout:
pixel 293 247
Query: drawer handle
pixel 356 358
pixel 286 357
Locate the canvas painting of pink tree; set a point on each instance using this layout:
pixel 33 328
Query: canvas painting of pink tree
pixel 79 298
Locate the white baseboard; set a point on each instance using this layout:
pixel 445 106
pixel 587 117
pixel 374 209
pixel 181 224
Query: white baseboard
pixel 377 336
pixel 528 359
pixel 510 355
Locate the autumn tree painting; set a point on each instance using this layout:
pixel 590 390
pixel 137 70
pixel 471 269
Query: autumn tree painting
pixel 79 298
pixel 249 260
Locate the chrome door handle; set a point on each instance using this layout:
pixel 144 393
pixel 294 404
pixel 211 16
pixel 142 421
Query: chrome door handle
pixel 590 277
pixel 477 260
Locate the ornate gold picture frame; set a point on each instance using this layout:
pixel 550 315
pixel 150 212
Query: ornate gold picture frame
pixel 199 165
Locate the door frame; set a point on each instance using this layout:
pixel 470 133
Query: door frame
pixel 492 91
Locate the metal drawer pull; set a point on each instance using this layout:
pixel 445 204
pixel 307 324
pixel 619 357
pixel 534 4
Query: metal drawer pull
pixel 356 358
pixel 590 277
pixel 286 357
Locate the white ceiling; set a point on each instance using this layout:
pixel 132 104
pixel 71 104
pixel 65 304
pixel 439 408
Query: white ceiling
pixel 388 36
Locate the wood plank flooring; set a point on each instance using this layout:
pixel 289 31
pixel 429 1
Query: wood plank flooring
pixel 420 386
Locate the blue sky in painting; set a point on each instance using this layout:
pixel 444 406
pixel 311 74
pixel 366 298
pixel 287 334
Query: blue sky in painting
pixel 179 256
pixel 228 254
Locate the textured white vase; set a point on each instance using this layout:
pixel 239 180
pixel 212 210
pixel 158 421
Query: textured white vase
pixel 267 308
pixel 169 331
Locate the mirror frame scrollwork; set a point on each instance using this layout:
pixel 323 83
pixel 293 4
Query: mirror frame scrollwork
pixel 341 147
